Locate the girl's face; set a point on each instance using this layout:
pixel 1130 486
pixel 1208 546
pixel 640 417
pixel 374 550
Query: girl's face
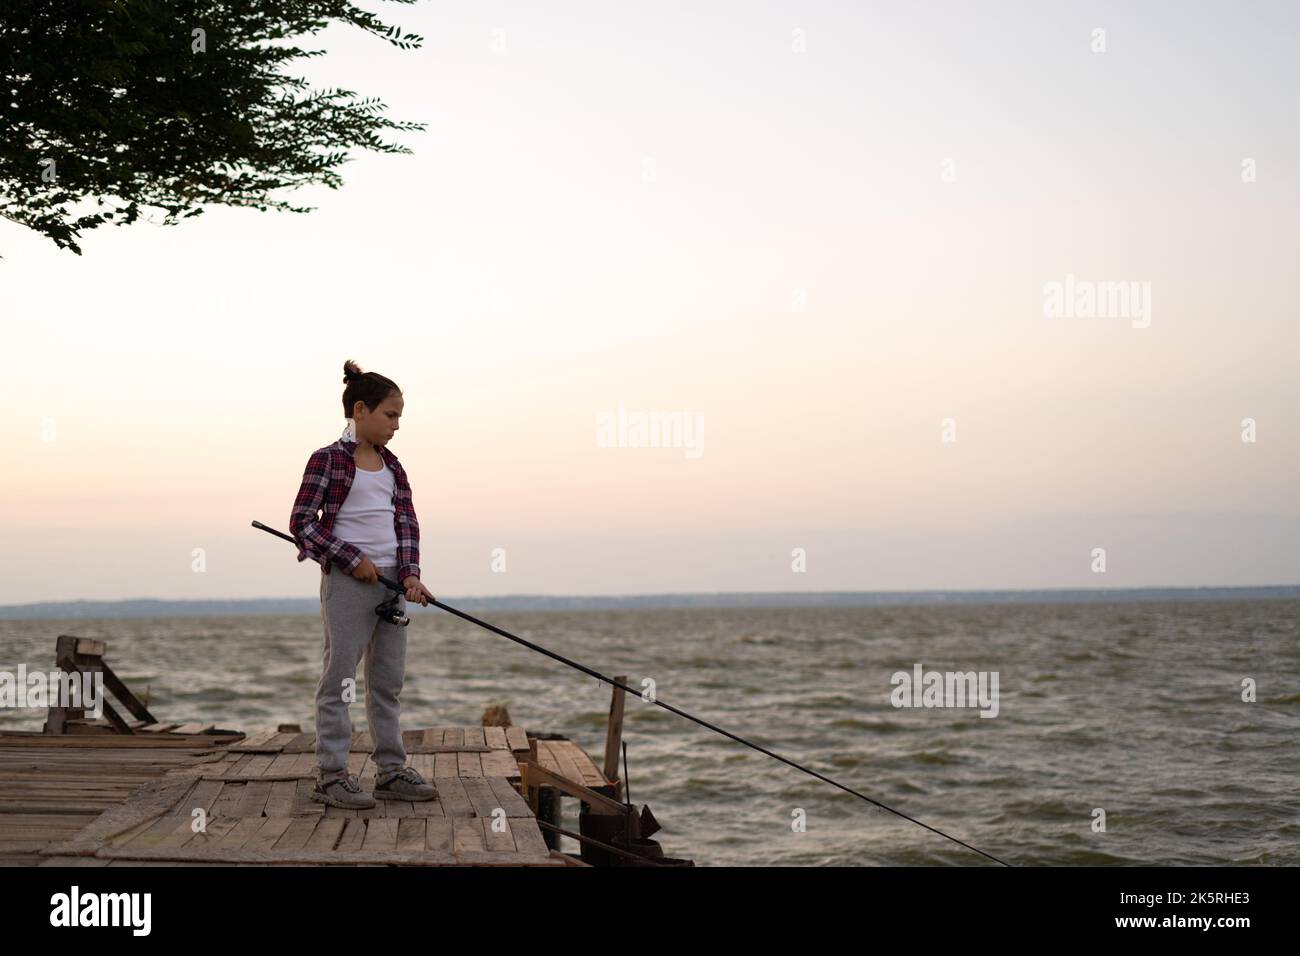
pixel 379 425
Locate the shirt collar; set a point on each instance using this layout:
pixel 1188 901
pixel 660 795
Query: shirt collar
pixel 351 448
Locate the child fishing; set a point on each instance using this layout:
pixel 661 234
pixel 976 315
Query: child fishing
pixel 354 516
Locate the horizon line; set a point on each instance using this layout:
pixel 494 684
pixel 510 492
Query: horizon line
pixel 688 600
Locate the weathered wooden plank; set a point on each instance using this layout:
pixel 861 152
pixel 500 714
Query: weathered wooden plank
pixel 302 743
pixel 240 834
pixel 154 799
pixel 577 765
pixel 204 795
pixel 303 804
pixel 381 834
pixel 451 794
pixel 325 835
pixel 235 766
pixel 284 765
pixel 410 834
pixel 528 837
pixel 396 809
pixel 429 808
pixel 181 835
pixel 212 834
pixel 73 861
pixel 22 823
pixel 228 799
pixel 259 778
pixel 107 741
pixel 127 835
pixel 353 836
pixel 269 833
pixel 194 727
pixel 257 765
pixel 158 831
pixel 480 794
pixel 306 765
pixel 467 834
pixel 500 763
pixel 517 738
pixel 297 834
pixel 497 835
pixel 438 835
pixel 253 803
pixel 561 760
pixel 508 798
pixel 157 857
pixel 280 802
pixel 257 742
pixel 423 763
pixel 469 765
pixel 539 776
pixel 613 732
pixel 445 764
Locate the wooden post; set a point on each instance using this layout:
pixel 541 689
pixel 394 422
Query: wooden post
pixel 76 655
pixel 614 738
pixel 56 718
pixel 548 810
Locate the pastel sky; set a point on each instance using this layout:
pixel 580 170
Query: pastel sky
pixel 820 228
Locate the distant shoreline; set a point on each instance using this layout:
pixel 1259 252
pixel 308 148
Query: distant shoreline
pixel 143 607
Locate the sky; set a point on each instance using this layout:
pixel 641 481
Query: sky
pixel 826 235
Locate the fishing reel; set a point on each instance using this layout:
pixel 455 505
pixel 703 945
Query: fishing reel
pixel 390 612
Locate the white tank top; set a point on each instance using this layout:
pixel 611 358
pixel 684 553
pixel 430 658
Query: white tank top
pixel 365 519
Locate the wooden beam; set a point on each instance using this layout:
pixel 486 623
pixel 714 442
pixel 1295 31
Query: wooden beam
pixel 539 776
pixel 614 736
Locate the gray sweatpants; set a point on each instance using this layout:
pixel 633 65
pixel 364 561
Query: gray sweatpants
pixel 352 629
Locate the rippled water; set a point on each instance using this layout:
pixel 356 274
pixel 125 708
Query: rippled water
pixel 1133 708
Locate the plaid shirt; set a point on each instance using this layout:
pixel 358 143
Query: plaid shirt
pixel 325 485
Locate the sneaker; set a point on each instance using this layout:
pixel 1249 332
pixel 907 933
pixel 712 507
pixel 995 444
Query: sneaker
pixel 403 784
pixel 342 791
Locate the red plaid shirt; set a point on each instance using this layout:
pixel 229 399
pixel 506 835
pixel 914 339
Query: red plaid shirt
pixel 325 485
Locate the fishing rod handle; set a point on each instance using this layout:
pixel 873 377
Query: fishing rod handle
pixel 386 582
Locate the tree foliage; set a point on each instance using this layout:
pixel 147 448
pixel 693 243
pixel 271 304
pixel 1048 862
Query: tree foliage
pixel 113 109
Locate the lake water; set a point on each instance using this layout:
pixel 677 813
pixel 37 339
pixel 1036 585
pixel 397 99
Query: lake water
pixel 1132 708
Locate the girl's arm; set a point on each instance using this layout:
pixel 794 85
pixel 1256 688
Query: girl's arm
pixel 304 521
pixel 408 531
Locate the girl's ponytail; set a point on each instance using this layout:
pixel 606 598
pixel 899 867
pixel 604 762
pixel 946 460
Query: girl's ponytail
pixel 369 387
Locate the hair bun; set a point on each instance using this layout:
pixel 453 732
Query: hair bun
pixel 350 371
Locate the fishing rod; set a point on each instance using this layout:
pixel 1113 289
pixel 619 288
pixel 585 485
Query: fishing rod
pixel 393 585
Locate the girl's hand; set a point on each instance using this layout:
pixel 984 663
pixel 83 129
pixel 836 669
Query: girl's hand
pixel 416 591
pixel 366 571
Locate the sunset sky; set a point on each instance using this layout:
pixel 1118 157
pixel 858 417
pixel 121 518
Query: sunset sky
pixel 822 243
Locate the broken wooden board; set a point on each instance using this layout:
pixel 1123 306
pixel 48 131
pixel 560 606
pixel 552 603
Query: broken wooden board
pixel 251 805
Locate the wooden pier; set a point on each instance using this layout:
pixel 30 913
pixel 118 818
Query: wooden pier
pixel 139 792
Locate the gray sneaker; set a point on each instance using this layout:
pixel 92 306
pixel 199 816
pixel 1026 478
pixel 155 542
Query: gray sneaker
pixel 403 784
pixel 342 791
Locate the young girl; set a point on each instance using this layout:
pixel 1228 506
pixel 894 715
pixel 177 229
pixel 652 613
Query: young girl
pixel 368 528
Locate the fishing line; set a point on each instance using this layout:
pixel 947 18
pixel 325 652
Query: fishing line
pixel 654 700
